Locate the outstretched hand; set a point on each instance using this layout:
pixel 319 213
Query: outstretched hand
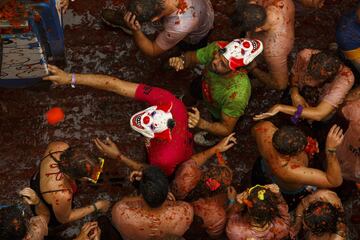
pixel 58 76
pixel 272 112
pixel 108 148
pixel 226 143
pixel 334 137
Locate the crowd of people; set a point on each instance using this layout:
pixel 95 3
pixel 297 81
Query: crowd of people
pixel 179 189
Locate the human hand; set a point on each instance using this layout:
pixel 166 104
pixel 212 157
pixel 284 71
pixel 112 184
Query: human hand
pixel 135 176
pixel 177 63
pixel 131 22
pixel 334 137
pixel 231 193
pixel 108 148
pixel 58 77
pixel 226 143
pixel 89 227
pixel 29 196
pixel 64 4
pixel 297 100
pixel 102 205
pixel 273 188
pixel 272 112
pixel 194 118
pixel 242 196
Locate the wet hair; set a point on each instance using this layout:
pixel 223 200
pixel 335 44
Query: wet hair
pixel 311 95
pixel 248 17
pixel 324 61
pixel 154 186
pixel 262 211
pixel 77 163
pixel 220 173
pixel 289 140
pixel 321 217
pixel 12 223
pixel 146 10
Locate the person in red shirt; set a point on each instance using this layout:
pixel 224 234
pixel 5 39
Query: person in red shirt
pixel 164 124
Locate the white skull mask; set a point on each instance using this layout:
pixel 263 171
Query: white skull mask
pixel 241 52
pixel 153 122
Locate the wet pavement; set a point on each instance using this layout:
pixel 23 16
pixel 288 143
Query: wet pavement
pixel 92 47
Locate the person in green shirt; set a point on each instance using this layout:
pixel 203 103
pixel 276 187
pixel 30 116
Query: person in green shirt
pixel 225 86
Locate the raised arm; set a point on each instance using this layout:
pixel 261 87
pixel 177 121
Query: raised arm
pixel 222 128
pixel 310 176
pixel 103 82
pixel 148 47
pixel 318 113
pixel 109 149
pixel 222 146
pixel 186 60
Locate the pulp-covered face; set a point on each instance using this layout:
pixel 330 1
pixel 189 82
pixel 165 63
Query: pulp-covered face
pixel 241 52
pixel 153 122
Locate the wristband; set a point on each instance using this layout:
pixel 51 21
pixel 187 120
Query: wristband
pixel 297 114
pixel 230 201
pixel 95 208
pixel 73 80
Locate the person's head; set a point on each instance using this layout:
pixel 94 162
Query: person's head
pixel 147 10
pixel 289 140
pixel 12 223
pixel 321 217
pixel 154 186
pixel 77 164
pixel 323 67
pixel 251 18
pixel 154 122
pixel 234 55
pixel 261 205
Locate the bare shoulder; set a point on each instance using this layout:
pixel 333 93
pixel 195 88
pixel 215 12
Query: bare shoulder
pixel 263 127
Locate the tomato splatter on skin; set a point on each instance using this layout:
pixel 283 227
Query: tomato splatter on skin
pixel 182 7
pixel 293 166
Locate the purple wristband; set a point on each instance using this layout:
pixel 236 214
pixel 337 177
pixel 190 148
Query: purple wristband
pixel 73 80
pixel 297 114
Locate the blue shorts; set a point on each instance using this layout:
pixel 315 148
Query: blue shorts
pixel 348 32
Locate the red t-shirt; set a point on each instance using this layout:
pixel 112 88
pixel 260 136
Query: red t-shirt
pixel 167 155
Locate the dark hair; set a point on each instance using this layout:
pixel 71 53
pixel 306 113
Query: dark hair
pixel 76 163
pixel 154 186
pixel 262 211
pixel 221 173
pixel 311 95
pixel 145 10
pixel 12 223
pixel 323 66
pixel 249 16
pixel 321 217
pixel 289 140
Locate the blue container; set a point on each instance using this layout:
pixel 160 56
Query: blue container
pixel 29 45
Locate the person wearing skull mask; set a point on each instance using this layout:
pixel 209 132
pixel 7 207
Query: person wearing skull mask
pixel 225 86
pixel 164 125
